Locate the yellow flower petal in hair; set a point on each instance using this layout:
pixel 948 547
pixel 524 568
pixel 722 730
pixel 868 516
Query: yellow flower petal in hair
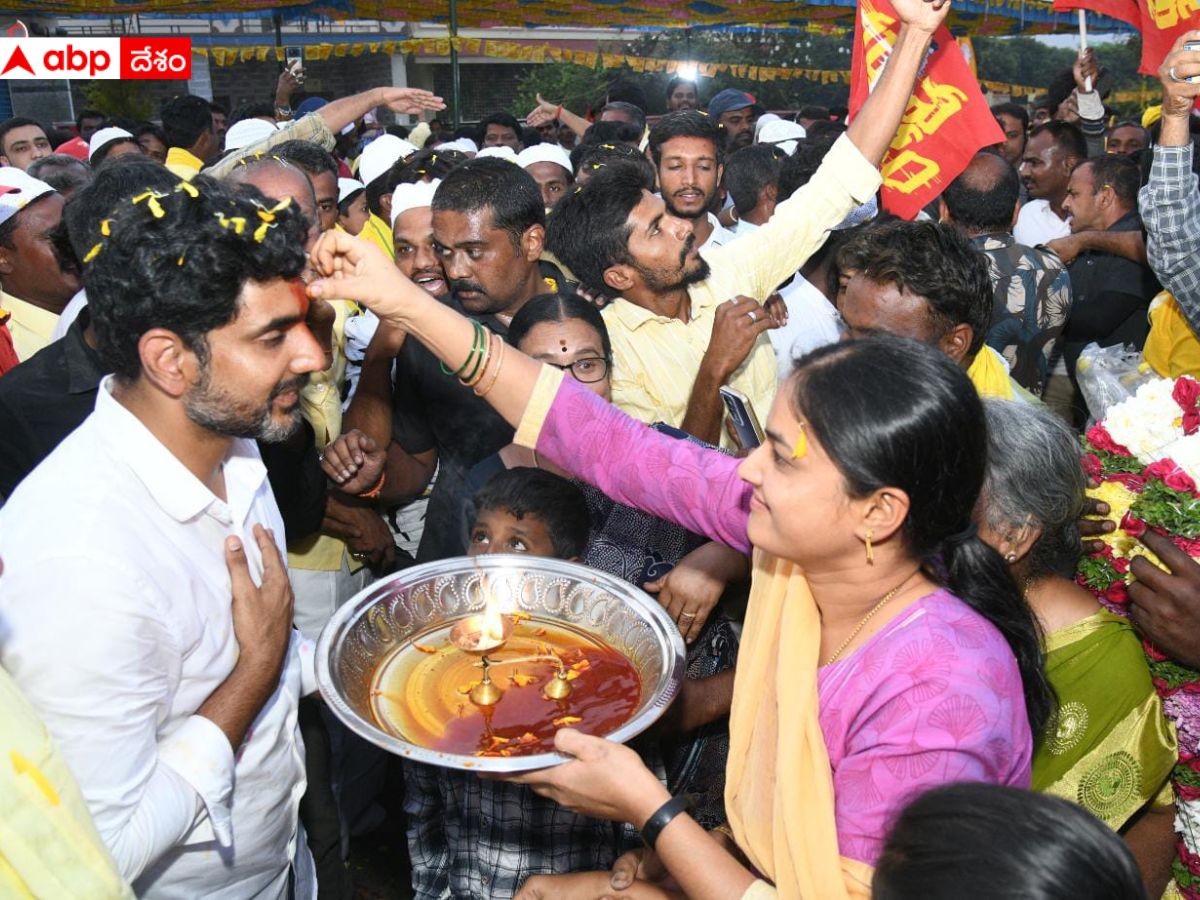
pixel 236 223
pixel 188 188
pixel 151 198
pixel 800 450
pixel 93 253
pixel 268 215
pixel 260 233
pixel 106 227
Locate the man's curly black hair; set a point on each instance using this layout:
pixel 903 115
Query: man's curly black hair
pixel 931 261
pixel 184 271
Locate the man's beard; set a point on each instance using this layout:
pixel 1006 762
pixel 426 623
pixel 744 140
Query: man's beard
pixel 220 411
pixel 661 282
pixel 683 214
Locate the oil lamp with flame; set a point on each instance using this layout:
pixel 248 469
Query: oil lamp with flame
pixel 489 631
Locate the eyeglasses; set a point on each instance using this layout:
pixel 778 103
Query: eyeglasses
pixel 588 370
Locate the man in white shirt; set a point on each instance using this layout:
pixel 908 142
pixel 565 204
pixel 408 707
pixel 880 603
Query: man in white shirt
pixel 1051 152
pixel 686 149
pixel 146 610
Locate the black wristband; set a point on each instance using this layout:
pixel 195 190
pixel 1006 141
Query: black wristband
pixel 662 817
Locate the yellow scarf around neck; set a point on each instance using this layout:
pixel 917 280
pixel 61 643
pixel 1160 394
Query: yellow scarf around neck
pixel 989 374
pixel 779 785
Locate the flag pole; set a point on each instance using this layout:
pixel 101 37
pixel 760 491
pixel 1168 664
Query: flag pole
pixel 1083 45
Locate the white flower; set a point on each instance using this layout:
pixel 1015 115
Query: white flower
pixel 1148 421
pixel 1185 452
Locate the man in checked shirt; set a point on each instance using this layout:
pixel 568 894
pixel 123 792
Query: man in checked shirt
pixel 1170 203
pixel 1166 604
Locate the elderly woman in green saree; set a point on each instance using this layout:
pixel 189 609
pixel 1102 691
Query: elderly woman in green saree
pixel 1108 747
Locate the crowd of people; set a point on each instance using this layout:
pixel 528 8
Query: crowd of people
pixel 252 362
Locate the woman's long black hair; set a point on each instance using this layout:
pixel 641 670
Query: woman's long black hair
pixel 893 412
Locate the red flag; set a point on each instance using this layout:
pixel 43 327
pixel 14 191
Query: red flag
pixel 947 120
pixel 1162 22
pixel 1125 10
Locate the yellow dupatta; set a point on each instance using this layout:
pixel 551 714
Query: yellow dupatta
pixel 779 785
pixel 989 374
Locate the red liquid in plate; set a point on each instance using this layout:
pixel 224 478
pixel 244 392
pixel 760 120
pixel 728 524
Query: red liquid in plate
pixel 421 696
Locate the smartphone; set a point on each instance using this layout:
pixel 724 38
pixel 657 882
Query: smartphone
pixel 741 413
pixel 1192 47
pixel 293 59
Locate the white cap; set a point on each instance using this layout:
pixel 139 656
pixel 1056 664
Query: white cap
pixel 346 187
pixel 18 190
pixel 380 155
pixel 413 196
pixel 782 134
pixel 551 153
pixel 500 151
pixel 763 120
pixel 248 131
pixel 104 136
pixel 462 145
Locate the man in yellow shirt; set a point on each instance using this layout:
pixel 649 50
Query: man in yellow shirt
pixel 671 323
pixel 35 287
pixel 926 282
pixel 192 142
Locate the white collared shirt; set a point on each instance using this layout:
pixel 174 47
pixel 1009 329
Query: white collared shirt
pixel 1038 223
pixel 720 235
pixel 812 322
pixel 116 623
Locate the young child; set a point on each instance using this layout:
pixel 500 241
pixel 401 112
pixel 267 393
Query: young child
pixel 470 837
pixel 531 511
pixel 352 205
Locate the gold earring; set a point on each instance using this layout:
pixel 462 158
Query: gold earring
pixel 870 552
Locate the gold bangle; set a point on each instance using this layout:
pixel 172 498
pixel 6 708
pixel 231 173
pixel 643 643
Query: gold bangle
pixel 483 391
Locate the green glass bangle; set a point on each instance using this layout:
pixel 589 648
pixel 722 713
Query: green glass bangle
pixel 477 344
pixel 470 379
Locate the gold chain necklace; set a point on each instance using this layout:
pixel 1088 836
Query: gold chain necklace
pixel 865 619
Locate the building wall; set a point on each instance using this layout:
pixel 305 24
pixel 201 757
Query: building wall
pixel 486 86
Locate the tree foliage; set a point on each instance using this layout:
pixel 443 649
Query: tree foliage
pixel 118 99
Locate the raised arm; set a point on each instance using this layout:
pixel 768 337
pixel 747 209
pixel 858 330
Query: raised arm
pixel 633 464
pixel 321 126
pixel 545 111
pixel 1170 203
pixel 848 177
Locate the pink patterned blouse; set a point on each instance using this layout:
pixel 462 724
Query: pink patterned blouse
pixel 934 697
